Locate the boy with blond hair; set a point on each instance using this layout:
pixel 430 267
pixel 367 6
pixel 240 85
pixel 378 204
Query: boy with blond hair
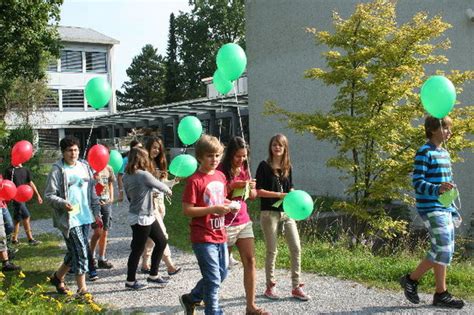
pixel 204 200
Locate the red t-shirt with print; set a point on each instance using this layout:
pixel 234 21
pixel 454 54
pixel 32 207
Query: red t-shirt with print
pixel 204 190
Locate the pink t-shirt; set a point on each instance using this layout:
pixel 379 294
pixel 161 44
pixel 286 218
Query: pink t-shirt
pixel 203 190
pixel 242 216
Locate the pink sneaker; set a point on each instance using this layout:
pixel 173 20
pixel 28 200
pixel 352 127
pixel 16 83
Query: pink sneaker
pixel 270 292
pixel 299 294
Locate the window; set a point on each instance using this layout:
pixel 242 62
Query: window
pixel 168 135
pixel 53 65
pixel 48 138
pixel 52 99
pixel 73 99
pixel 96 62
pixel 71 61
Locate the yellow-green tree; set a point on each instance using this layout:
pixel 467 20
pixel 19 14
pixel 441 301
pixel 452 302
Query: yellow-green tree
pixel 378 66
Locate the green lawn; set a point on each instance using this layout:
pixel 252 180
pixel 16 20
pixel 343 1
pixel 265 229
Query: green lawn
pixel 336 260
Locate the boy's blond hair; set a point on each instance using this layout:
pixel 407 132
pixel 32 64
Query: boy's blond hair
pixel 208 144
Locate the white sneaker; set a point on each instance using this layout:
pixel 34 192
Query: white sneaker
pixel 232 261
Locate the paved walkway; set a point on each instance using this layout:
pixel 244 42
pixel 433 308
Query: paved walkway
pixel 330 295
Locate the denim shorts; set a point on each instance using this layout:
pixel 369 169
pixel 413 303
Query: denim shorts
pixel 441 229
pixel 20 211
pixel 7 220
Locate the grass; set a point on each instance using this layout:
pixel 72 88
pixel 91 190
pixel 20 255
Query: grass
pixel 328 259
pixel 39 262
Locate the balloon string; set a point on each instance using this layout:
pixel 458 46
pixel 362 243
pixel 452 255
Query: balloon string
pixel 88 138
pixel 445 145
pixel 238 110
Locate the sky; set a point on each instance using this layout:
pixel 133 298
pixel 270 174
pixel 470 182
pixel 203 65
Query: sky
pixel 134 23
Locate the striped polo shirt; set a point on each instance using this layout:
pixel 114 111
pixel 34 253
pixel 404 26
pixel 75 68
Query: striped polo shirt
pixel 432 167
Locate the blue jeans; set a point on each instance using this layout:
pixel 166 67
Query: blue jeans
pixel 7 220
pixel 213 260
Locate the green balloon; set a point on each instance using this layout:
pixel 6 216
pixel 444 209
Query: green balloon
pixel 222 85
pixel 183 165
pixel 189 130
pixel 438 96
pixel 231 61
pixel 115 160
pixel 298 204
pixel 98 92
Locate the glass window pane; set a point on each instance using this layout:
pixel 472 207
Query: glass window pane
pixel 96 62
pixel 73 99
pixel 71 61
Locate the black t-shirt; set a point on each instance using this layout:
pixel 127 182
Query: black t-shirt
pixel 268 180
pixel 18 175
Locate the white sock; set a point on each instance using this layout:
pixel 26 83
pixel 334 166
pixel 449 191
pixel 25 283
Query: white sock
pixel 130 282
pixel 153 277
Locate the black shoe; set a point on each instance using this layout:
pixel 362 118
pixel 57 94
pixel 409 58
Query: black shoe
pixel 187 304
pixel 135 286
pixel 34 242
pixel 9 266
pixel 15 242
pixel 410 289
pixel 445 299
pixel 104 264
pixel 145 270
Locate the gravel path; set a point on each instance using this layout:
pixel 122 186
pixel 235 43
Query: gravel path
pixel 330 295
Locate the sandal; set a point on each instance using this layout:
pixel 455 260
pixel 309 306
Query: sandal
pixel 172 273
pixel 258 311
pixel 61 287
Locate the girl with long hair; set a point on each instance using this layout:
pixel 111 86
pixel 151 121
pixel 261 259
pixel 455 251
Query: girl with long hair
pixel 239 226
pixel 139 184
pixel 156 152
pixel 274 181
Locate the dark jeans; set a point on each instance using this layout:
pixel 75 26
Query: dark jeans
pixel 140 234
pixel 213 262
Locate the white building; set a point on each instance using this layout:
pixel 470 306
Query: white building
pixel 86 54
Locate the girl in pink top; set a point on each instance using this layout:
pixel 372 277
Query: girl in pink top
pixel 239 226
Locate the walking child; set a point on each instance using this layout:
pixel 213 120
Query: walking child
pixel 432 176
pixel 274 181
pixel 204 200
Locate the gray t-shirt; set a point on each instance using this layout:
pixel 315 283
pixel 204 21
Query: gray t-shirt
pixel 139 189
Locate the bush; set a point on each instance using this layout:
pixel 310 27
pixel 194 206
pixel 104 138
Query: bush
pixel 24 132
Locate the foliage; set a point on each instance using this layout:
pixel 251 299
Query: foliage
pixel 28 38
pixel 30 292
pixel 26 97
pixel 24 132
pixel 378 66
pixel 200 33
pixel 173 92
pixel 145 87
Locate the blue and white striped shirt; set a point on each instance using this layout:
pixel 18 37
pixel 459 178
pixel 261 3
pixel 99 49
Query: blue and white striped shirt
pixel 432 167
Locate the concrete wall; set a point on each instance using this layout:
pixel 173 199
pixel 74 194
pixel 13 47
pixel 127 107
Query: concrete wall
pixel 279 51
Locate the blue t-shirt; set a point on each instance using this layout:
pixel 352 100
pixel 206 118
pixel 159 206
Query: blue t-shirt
pixel 432 167
pixel 78 184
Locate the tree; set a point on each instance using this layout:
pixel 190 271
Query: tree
pixel 28 38
pixel 172 89
pixel 26 97
pixel 378 67
pixel 145 86
pixel 200 33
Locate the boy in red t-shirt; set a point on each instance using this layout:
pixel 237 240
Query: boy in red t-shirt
pixel 205 202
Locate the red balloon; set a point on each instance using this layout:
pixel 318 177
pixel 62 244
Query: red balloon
pixel 7 189
pixel 23 193
pixel 21 152
pixel 98 157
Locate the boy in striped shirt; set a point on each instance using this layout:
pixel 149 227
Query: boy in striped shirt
pixel 432 176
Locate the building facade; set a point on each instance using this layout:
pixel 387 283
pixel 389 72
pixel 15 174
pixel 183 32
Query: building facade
pixel 279 51
pixel 85 54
